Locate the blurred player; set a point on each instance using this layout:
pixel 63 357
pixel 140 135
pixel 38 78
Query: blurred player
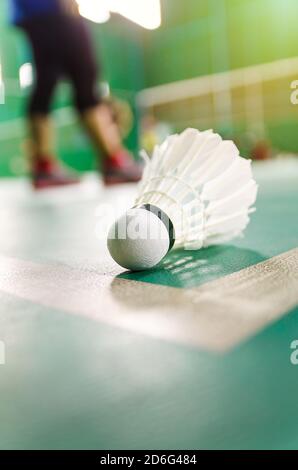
pixel 62 47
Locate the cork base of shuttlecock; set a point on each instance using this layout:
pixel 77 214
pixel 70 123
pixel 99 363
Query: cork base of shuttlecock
pixel 138 240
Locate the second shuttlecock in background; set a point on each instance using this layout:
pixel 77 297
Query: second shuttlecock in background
pixel 196 191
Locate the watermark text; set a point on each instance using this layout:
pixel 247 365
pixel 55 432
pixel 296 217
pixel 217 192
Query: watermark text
pixel 2 353
pixel 294 94
pixel 294 353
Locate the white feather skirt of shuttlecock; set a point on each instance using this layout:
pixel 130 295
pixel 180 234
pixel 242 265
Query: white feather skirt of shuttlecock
pixel 202 183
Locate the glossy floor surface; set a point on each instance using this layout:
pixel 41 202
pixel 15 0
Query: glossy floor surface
pixel 194 354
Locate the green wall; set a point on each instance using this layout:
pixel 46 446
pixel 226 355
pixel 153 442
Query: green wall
pixel 202 37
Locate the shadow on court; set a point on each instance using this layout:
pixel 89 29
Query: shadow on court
pixel 186 269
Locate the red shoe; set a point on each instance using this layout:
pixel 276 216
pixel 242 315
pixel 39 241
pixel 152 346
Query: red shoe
pixel 48 174
pixel 121 168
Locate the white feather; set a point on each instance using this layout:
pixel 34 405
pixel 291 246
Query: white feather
pixel 202 183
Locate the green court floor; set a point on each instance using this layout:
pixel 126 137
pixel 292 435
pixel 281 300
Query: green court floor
pixel 192 355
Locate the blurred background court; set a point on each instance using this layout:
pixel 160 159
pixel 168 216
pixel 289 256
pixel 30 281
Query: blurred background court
pixel 234 62
pixel 194 354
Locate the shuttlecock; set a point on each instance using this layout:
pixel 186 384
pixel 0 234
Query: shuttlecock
pixel 196 191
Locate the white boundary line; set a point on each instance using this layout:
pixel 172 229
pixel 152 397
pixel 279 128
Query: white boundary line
pixel 216 316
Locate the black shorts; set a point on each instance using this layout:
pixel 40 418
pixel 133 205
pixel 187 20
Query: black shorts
pixel 62 48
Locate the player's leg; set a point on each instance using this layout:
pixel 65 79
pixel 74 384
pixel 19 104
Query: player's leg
pixel 96 116
pixel 45 170
pixel 38 114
